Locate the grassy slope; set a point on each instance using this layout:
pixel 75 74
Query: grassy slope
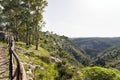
pixel 61 46
pixel 43 67
pixel 48 70
pixel 37 61
pixel 54 55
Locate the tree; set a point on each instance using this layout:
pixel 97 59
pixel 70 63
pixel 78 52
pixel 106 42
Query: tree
pixel 25 15
pixel 37 8
pixel 34 19
pixel 12 15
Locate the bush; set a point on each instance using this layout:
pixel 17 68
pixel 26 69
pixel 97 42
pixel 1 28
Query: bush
pixel 99 73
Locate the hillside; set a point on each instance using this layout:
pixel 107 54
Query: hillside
pixel 109 58
pixel 63 47
pixel 94 46
pixel 104 52
pixel 27 53
pixel 39 64
pixel 57 58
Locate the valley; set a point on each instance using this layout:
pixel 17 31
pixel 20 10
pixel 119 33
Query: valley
pixel 28 52
pixel 61 58
pixel 102 51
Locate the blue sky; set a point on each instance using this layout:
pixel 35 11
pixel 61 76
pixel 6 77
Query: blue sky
pixel 83 18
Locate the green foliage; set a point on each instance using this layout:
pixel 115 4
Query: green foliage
pixel 61 46
pixel 64 50
pixel 40 59
pixel 56 58
pixel 109 58
pixel 103 51
pixel 21 44
pixel 99 73
pixel 94 46
pixel 66 71
pixel 23 18
pixel 69 67
pixel 26 67
pixel 54 44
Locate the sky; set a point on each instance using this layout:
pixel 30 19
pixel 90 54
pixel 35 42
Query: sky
pixel 83 18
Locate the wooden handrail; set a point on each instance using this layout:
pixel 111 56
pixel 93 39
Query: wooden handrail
pixel 19 73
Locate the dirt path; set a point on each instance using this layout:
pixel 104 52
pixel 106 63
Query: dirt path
pixel 4 66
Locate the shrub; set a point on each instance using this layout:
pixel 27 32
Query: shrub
pixel 99 73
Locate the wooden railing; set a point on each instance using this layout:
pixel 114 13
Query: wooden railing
pixel 17 73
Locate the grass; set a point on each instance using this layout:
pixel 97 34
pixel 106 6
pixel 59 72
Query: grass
pixel 39 57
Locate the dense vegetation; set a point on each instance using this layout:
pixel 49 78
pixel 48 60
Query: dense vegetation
pixel 94 46
pixel 48 56
pixel 109 58
pixel 54 62
pixel 99 73
pixel 23 18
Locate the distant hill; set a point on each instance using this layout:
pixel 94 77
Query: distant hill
pixel 94 46
pixel 109 58
pixel 104 52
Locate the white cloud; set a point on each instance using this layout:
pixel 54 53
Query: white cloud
pixel 83 17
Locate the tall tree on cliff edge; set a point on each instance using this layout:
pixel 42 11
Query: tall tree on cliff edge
pixel 38 8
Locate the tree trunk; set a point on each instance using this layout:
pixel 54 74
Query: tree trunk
pixel 29 39
pixel 27 36
pixel 36 44
pixel 33 39
pixel 16 37
pixel 37 38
